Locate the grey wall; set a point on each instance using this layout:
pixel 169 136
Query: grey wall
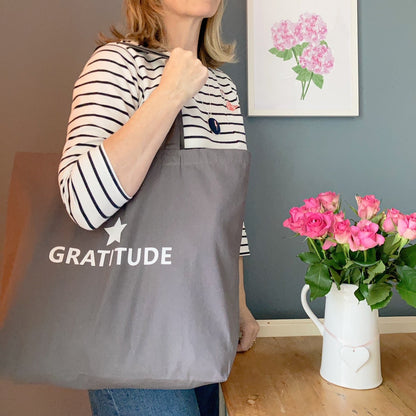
pixel 46 43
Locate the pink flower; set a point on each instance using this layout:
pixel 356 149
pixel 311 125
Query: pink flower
pixel 329 201
pixel 313 205
pixel 342 231
pixel 283 35
pixel 317 59
pixel 391 221
pixel 406 226
pixel 368 206
pixel 296 221
pixel 318 224
pixel 310 28
pixel 364 236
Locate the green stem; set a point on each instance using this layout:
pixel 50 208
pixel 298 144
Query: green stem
pixel 309 83
pixel 365 256
pixel 296 57
pixel 303 90
pixel 314 247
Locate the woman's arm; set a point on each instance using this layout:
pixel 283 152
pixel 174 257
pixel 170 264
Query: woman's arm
pixel 132 149
pixel 249 327
pixel 113 135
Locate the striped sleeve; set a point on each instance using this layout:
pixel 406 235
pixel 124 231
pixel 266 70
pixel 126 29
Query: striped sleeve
pixel 105 96
pixel 244 247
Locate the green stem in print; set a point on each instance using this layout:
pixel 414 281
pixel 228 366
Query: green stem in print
pixel 295 55
pixel 309 83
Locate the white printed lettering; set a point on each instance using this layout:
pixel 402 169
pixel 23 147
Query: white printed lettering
pixel 119 251
pixel 146 260
pixel 129 257
pixel 166 257
pixel 88 258
pixel 73 254
pixel 103 254
pixel 55 256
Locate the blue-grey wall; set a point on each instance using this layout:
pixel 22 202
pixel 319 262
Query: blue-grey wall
pixel 297 158
pixel 46 43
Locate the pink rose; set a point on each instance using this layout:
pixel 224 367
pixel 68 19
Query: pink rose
pixel 342 231
pixel 368 206
pixel 313 205
pixel 283 35
pixel 318 224
pixel 296 221
pixel 391 221
pixel 329 242
pixel 329 200
pixel 406 226
pixel 364 236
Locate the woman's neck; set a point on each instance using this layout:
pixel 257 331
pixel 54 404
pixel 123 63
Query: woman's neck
pixel 182 33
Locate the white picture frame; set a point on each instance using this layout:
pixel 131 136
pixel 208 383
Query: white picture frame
pixel 302 58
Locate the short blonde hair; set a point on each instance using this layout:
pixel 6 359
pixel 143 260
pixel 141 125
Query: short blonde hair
pixel 144 25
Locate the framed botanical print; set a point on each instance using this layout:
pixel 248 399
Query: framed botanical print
pixel 302 58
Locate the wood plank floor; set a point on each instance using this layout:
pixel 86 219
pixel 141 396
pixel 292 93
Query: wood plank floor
pixel 280 376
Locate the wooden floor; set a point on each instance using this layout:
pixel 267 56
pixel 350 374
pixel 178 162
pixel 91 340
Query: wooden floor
pixel 280 376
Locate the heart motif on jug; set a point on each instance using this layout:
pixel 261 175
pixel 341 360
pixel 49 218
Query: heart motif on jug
pixel 355 358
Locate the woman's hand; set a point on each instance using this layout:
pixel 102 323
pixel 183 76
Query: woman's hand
pixel 184 75
pixel 249 329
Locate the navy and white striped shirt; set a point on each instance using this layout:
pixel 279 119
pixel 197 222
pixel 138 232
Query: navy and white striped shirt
pixel 115 81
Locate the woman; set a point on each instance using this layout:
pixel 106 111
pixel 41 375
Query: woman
pixel 125 102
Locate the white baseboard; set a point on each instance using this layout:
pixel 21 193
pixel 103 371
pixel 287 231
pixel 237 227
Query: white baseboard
pixel 305 327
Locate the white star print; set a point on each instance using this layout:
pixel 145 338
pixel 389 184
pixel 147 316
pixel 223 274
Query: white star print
pixel 114 232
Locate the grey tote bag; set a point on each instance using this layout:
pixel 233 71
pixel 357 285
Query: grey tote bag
pixel 148 300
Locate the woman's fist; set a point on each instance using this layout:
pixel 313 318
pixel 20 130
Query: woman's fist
pixel 184 75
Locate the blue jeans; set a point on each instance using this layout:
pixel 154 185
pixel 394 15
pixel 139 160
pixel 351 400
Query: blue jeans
pixel 202 401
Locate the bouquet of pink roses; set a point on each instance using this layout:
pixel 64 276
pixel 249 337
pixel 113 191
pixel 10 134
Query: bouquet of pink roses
pixel 373 252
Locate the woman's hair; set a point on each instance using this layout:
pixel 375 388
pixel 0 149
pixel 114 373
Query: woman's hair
pixel 144 25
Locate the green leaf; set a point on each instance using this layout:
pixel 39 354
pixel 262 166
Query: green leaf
pixel 323 43
pixel 364 289
pixel 383 303
pixel 304 75
pixel 309 258
pixel 356 276
pixel 318 80
pixel 378 268
pixel 408 255
pixel 318 279
pixel 298 69
pixel 276 52
pixel 299 48
pixel 332 263
pixel 391 243
pixel 359 295
pixel 287 54
pixel 407 285
pixel 335 276
pixel 378 292
pixel 315 247
pixel 339 256
pixel 377 218
pixel 365 259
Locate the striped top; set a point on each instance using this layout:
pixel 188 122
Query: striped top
pixel 115 81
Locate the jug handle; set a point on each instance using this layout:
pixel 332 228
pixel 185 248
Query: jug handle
pixel 308 310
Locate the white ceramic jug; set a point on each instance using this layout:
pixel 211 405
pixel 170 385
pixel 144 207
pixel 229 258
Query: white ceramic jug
pixel 351 345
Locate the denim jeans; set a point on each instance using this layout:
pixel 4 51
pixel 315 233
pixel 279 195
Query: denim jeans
pixel 202 401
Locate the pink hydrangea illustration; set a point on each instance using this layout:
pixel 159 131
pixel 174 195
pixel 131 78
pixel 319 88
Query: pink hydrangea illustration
pixel 283 34
pixel 317 59
pixel 310 28
pixel 305 42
